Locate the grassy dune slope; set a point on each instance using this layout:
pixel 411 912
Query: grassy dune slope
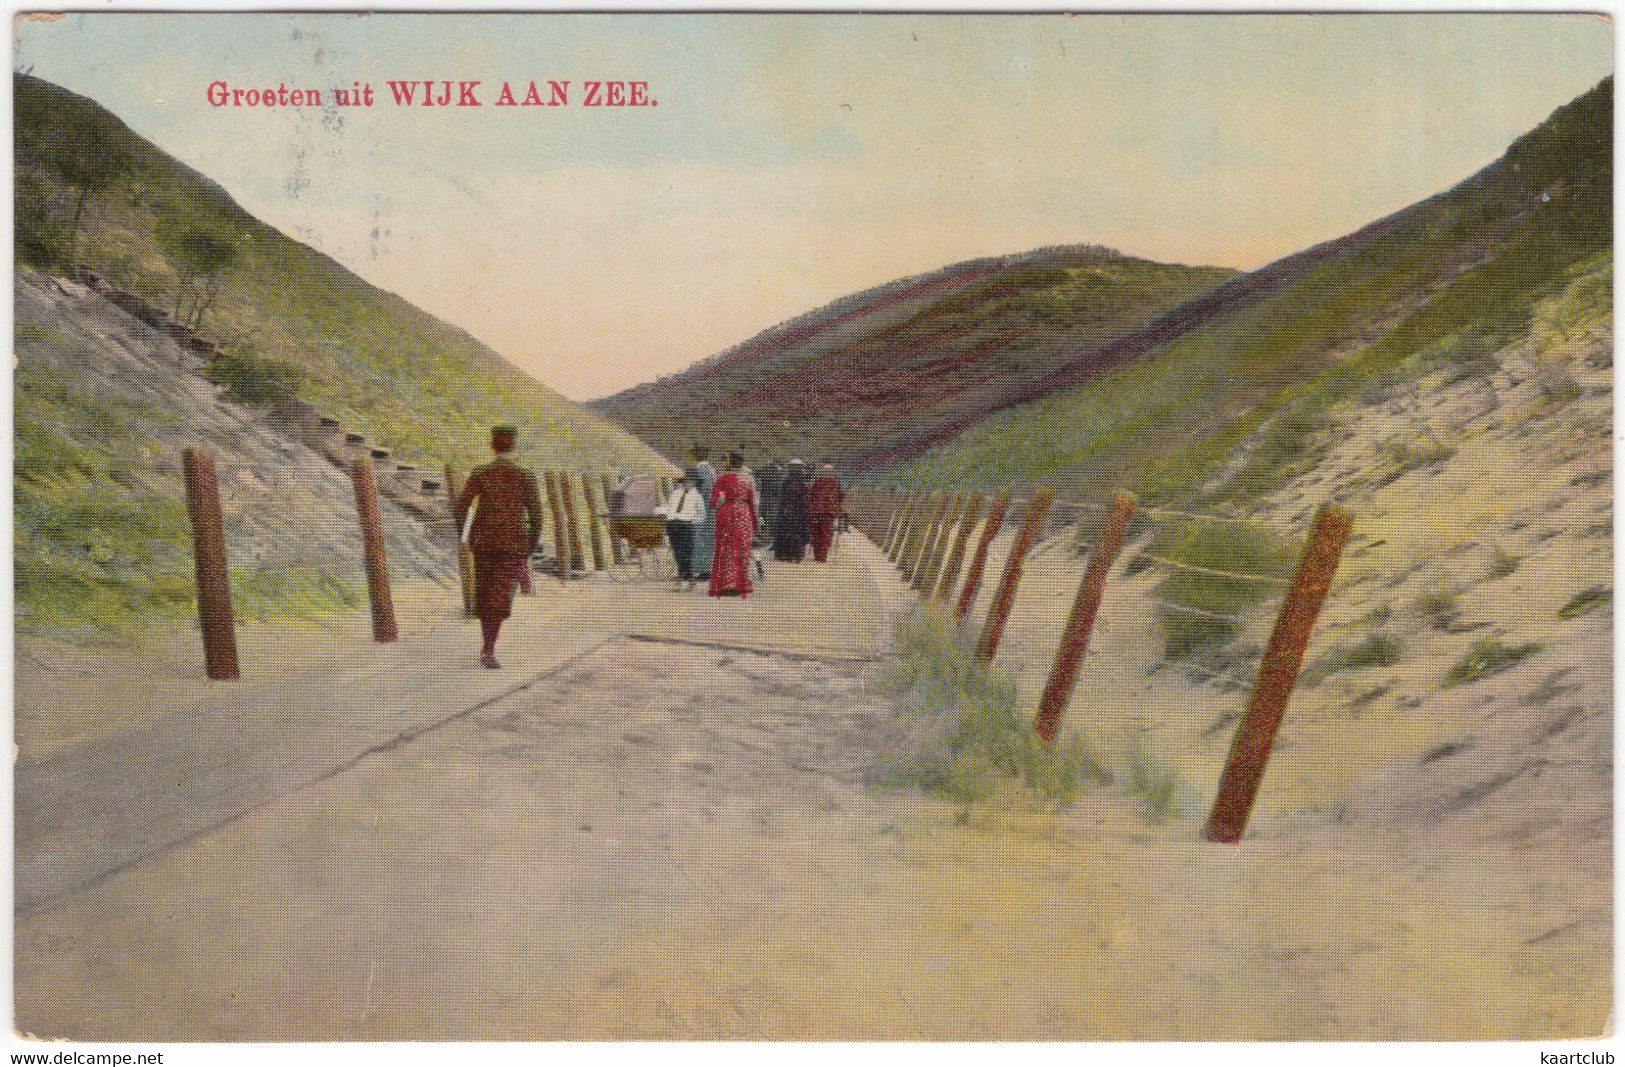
pixel 103 404
pixel 404 378
pixel 920 350
pixel 1235 404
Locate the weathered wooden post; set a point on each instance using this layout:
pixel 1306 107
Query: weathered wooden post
pixel 592 522
pixel 899 516
pixel 1255 734
pixel 973 580
pixel 578 556
pixel 891 520
pixel 909 525
pixel 1075 638
pixel 560 549
pixel 465 558
pixel 928 537
pixel 999 613
pixel 956 558
pixel 372 552
pixel 926 580
pixel 209 556
pixel 615 552
pixel 930 515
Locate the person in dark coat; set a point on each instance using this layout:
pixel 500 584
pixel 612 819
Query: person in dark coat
pixel 792 530
pixel 769 484
pixel 824 499
pixel 507 522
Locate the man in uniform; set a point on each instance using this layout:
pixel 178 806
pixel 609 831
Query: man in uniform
pixel 507 523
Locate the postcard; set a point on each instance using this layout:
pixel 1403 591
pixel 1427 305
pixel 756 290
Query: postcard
pixel 813 527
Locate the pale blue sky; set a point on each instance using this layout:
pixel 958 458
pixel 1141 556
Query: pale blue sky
pixel 796 158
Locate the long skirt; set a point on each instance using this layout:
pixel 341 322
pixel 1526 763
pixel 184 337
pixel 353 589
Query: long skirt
pixel 730 569
pixel 823 532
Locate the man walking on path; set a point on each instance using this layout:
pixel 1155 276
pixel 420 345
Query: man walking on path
pixel 507 523
pixel 824 499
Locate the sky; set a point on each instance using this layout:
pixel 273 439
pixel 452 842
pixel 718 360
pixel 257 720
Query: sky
pixel 792 159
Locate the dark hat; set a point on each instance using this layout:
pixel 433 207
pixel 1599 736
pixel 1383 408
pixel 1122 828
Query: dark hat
pixel 503 437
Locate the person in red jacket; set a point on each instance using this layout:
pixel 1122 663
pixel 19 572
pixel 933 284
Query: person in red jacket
pixel 507 523
pixel 824 498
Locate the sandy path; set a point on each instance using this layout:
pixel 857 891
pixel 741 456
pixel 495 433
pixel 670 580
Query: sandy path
pixel 680 841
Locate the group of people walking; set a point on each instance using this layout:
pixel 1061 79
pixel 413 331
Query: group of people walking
pixel 714 522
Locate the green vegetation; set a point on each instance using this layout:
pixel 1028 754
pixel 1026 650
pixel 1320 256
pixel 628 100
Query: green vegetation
pixel 415 385
pixel 103 542
pixel 1502 562
pixel 1586 303
pixel 981 736
pixel 65 153
pixel 1521 247
pixel 1439 605
pixel 103 539
pixel 1151 778
pixel 837 393
pixel 201 255
pixel 1487 656
pixel 1233 547
pixel 1378 649
pixel 1401 455
pixel 1585 602
pixel 250 378
pixel 291 592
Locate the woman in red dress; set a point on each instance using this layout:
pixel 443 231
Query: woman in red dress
pixel 733 502
pixel 824 499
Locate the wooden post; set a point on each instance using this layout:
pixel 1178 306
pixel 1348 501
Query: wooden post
pixel 928 543
pixel 891 525
pixel 615 552
pixel 213 576
pixel 956 558
pixel 465 558
pixel 1075 638
pixel 1255 734
pixel 911 525
pixel 372 552
pixel 903 502
pixel 973 580
pixel 999 613
pixel 598 562
pixel 560 549
pixel 578 557
pixel 929 517
pixel 926 581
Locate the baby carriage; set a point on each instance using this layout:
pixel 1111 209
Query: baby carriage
pixel 635 521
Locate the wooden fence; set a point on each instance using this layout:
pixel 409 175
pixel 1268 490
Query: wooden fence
pixel 914 529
